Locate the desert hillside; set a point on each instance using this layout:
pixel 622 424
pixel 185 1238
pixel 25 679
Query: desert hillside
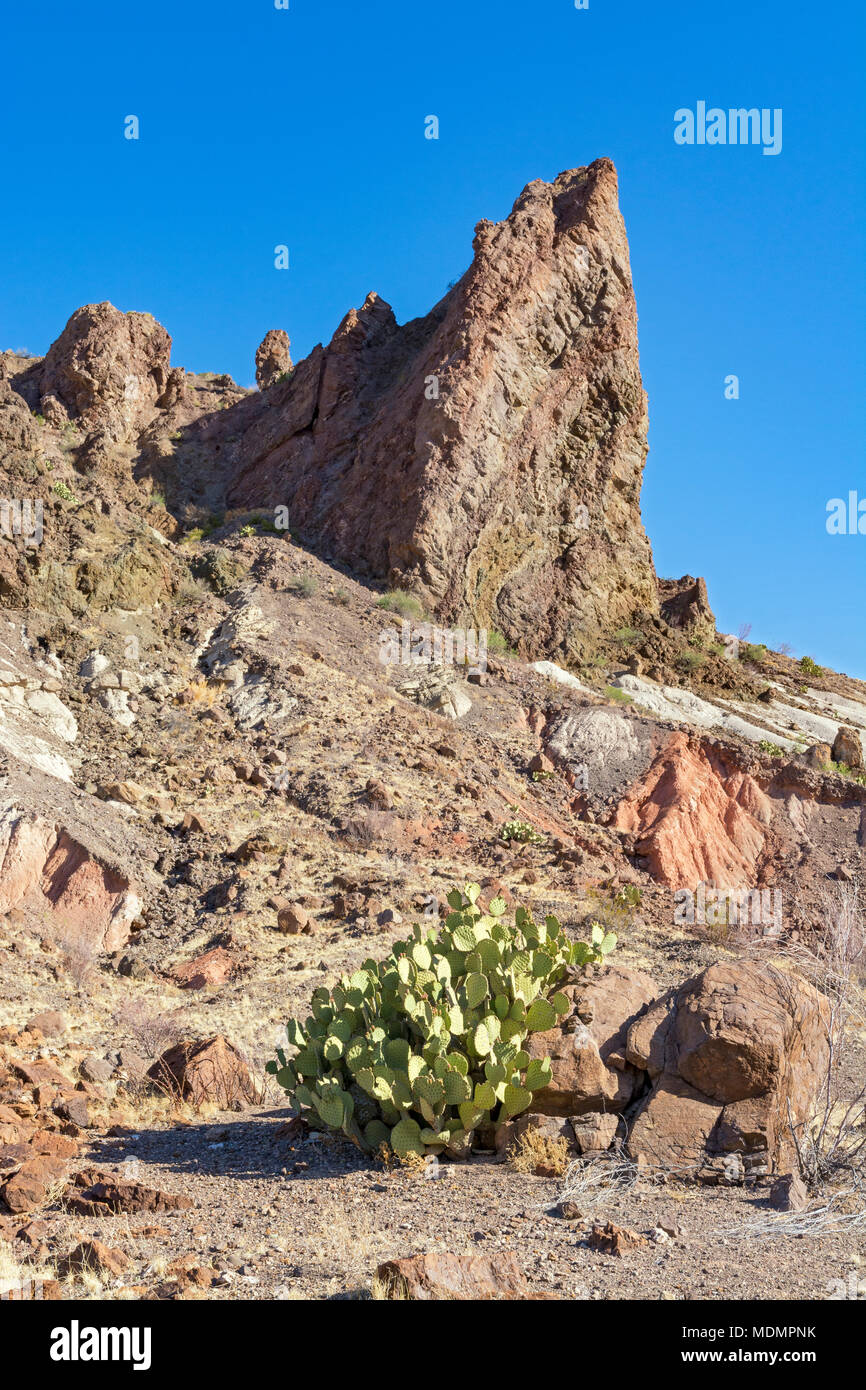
pixel 282 669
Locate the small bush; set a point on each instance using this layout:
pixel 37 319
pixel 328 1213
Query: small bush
pixel 424 1048
pixel 63 492
pixel 691 661
pixel 399 601
pixel 753 653
pixel 520 831
pixel 340 597
pixel 772 748
pixel 535 1153
pixel 304 586
pixel 498 644
pixel 157 499
pixel 810 667
pixel 629 637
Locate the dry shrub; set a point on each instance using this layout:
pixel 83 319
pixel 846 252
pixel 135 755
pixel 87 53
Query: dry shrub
pixel 537 1154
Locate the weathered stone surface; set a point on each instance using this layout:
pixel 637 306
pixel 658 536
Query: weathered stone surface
pixel 273 358
pixel 33 1183
pixel 789 1193
pixel 684 603
pixel 695 820
pixel 107 371
pixel 590 1069
pixel 209 1069
pixel 615 1240
pixel 489 456
pixel 93 1255
pixel 454 1277
pixel 44 867
pixel 105 1195
pixel 728 1052
pixel 847 748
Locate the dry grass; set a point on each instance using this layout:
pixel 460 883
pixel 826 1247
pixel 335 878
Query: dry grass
pixel 535 1153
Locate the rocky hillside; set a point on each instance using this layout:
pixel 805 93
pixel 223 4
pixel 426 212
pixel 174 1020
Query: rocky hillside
pixel 234 764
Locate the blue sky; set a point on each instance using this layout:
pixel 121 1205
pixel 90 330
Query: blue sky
pixel 306 127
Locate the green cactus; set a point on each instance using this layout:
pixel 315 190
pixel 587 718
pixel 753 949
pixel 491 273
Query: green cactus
pixel 420 1049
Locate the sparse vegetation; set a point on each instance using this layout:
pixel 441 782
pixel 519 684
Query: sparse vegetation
pixel 690 661
pixel 752 653
pixel 534 1152
pixel 521 832
pixel 773 749
pixel 304 586
pixel 629 637
pixel 63 491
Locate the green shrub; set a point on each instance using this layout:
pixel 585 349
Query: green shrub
pixel 519 830
pixel 772 748
pixel 421 1049
pixel 496 643
pixel 399 601
pixel 690 661
pixel 810 667
pixel 752 652
pixel 63 492
pixel 629 636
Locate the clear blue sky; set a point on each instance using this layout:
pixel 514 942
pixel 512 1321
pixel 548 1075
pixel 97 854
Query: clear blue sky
pixel 306 127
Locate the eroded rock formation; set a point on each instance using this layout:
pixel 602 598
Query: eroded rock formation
pixel 490 455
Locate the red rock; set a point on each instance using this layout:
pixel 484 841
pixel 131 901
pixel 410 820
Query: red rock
pixel 105 1195
pixel 93 1255
pixel 273 358
pixel 44 867
pixel 50 1024
pixel 293 920
pixel 615 1240
pixel 211 968
pixel 491 406
pixel 33 1183
pixel 729 1053
pixel 46 1141
pixel 693 820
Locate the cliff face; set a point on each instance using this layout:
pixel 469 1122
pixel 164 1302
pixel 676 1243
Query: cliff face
pixel 490 455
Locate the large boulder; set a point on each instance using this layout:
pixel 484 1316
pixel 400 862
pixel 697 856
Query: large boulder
pixel 587 1047
pixel 490 455
pixel 731 1054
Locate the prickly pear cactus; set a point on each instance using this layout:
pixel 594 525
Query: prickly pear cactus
pixel 420 1049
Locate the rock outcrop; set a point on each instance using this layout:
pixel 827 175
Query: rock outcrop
pixel 694 820
pixel 45 869
pixel 107 372
pixel 273 358
pixel 490 455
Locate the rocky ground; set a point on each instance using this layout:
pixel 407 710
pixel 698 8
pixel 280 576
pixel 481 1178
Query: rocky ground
pixel 218 796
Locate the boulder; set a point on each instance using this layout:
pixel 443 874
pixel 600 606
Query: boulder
pixel 103 1194
pixel 728 1053
pixel 847 748
pixel 451 1278
pixel 209 1069
pixel 591 1072
pixel 106 372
